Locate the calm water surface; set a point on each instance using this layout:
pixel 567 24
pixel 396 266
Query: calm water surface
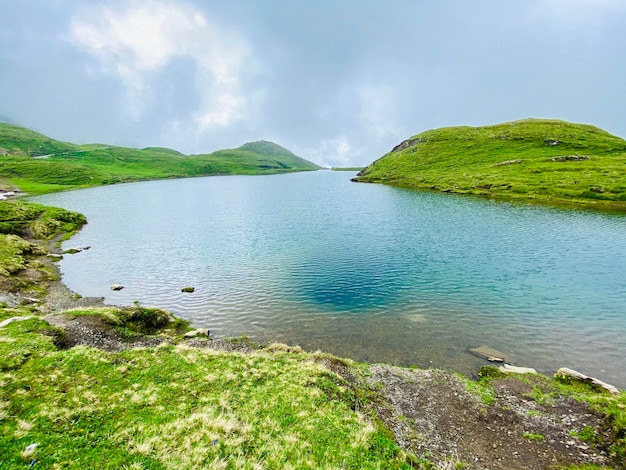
pixel 365 271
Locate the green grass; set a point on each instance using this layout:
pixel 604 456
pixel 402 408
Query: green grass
pixel 517 160
pixel 534 437
pixel 69 166
pixel 176 407
pixel 20 268
pixel 39 222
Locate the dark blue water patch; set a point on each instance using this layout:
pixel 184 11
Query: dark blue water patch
pixel 352 280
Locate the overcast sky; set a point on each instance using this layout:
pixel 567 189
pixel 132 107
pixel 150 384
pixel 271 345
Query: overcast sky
pixel 339 82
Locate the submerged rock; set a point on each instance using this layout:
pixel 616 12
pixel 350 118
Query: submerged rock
pixel 492 355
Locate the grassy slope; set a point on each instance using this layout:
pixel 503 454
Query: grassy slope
pixel 175 407
pixel 74 166
pixel 469 160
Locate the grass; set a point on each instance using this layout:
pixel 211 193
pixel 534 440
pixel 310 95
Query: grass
pixel 176 407
pixel 18 255
pixel 67 166
pixel 534 437
pixel 533 159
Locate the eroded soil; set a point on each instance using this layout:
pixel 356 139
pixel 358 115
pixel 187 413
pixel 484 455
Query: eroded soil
pixel 433 415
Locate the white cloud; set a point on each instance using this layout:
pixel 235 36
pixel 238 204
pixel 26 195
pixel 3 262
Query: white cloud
pixel 378 108
pixel 335 151
pixel 137 40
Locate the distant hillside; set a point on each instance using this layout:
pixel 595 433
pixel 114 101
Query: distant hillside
pixel 16 140
pixel 37 164
pixel 266 155
pixel 531 159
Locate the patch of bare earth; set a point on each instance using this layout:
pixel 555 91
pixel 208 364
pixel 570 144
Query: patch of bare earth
pixel 92 330
pixel 433 416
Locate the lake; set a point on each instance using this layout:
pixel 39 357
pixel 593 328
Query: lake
pixel 370 272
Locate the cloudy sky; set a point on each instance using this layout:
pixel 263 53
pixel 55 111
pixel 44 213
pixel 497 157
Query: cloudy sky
pixel 339 82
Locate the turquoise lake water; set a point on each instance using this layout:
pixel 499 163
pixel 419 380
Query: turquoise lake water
pixel 371 272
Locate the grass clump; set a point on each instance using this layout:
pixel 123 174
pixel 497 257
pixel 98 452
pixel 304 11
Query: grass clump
pixel 534 437
pixel 538 159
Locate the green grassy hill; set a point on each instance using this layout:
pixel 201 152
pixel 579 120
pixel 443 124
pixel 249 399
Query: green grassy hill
pixel 547 160
pixel 38 164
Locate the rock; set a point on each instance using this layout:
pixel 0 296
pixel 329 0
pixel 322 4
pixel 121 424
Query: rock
pixel 9 299
pixel 188 289
pixel 492 355
pixel 508 162
pixel 117 287
pixel 569 158
pixel 406 144
pixel 55 257
pixel 197 332
pixel 8 321
pixel 71 251
pixel 509 369
pixel 552 142
pixel 571 374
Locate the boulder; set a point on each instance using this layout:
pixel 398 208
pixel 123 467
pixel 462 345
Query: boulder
pixel 197 332
pixel 117 287
pixel 509 369
pixel 571 374
pixel 188 289
pixel 8 321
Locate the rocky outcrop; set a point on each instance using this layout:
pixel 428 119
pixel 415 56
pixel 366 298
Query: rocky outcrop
pixel 405 144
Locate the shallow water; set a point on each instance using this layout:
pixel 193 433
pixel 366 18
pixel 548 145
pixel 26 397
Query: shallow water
pixel 366 271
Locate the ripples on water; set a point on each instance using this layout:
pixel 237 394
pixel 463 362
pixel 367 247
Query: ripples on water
pixel 366 271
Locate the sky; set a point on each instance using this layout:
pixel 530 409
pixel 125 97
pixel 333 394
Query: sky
pixel 338 82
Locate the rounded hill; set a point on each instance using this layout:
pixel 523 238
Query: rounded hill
pixel 548 160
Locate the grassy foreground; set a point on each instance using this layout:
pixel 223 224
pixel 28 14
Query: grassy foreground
pixel 532 159
pixel 187 405
pixel 38 164
pixel 177 407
